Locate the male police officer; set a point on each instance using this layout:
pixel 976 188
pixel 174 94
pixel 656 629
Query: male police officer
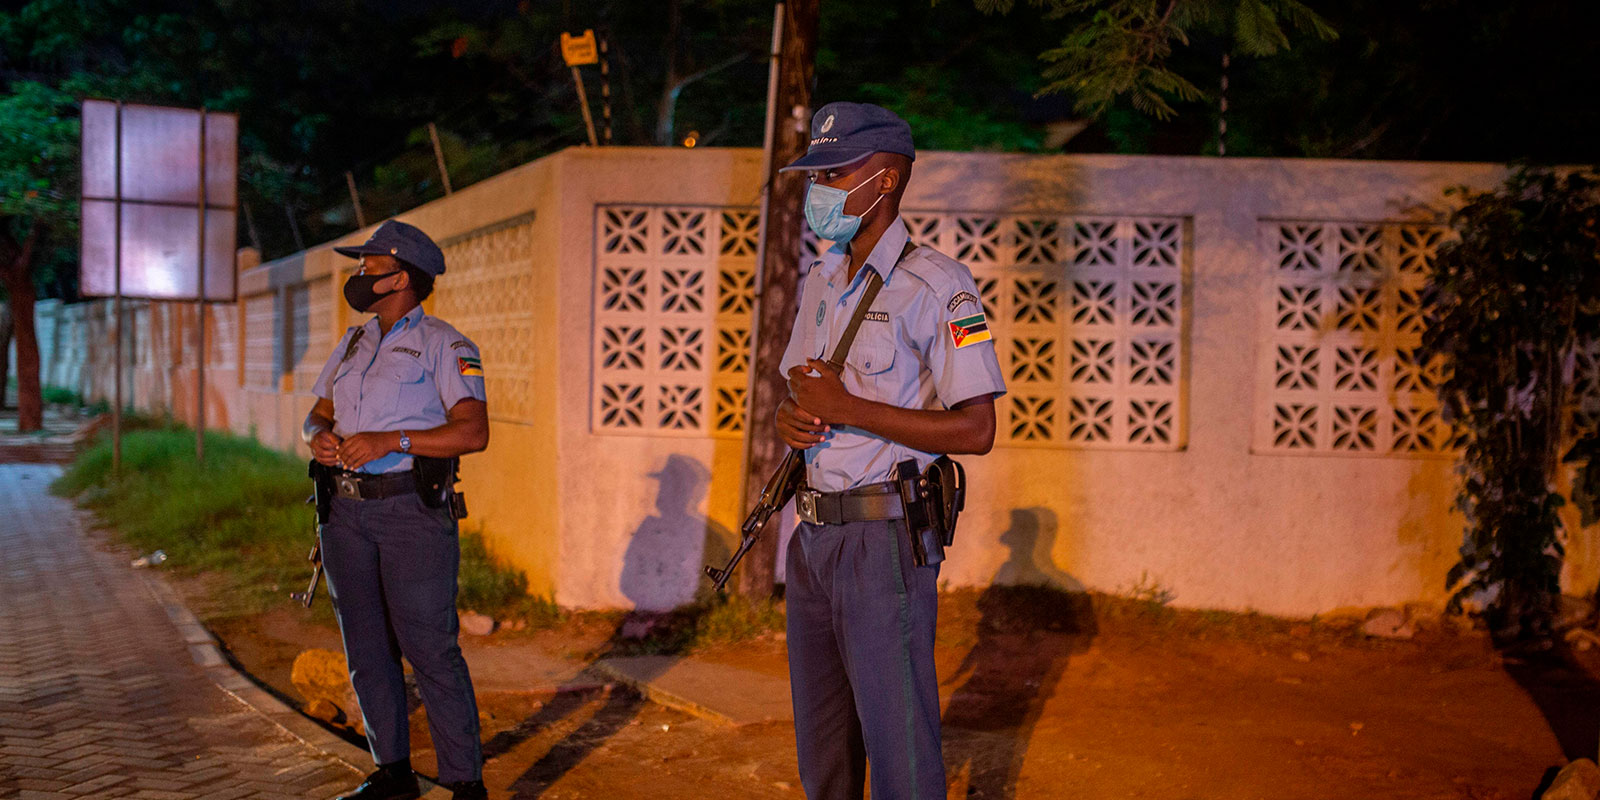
pixel 861 612
pixel 403 384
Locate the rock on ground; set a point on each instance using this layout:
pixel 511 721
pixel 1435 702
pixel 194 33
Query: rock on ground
pixel 476 624
pixel 1579 780
pixel 1388 623
pixel 323 679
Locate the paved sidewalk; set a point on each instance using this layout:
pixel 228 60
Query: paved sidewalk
pixel 99 694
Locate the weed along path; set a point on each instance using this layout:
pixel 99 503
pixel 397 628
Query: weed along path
pixel 99 697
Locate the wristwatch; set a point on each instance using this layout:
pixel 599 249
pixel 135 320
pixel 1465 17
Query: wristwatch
pixel 405 442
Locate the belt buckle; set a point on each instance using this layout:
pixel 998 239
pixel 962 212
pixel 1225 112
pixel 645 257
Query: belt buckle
pixel 346 487
pixel 806 504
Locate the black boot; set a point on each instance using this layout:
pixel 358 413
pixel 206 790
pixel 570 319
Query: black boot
pixel 468 790
pixel 390 782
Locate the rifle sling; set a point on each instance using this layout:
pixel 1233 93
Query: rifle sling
pixel 868 294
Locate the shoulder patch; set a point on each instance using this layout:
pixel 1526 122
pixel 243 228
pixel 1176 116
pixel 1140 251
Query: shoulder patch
pixel 462 344
pixel 469 367
pixel 969 330
pixel 963 297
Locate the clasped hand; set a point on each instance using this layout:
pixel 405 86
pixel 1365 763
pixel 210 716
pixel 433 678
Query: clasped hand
pixel 815 404
pixel 351 453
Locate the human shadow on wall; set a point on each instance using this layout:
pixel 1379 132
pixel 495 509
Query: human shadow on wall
pixel 1033 618
pixel 660 569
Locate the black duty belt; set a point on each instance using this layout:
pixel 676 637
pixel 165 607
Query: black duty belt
pixel 366 486
pixel 873 501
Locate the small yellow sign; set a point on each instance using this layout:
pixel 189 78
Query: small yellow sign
pixel 579 50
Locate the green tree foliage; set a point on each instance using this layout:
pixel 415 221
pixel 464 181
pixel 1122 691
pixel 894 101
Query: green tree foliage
pixel 323 88
pixel 38 168
pixel 1116 48
pixel 1510 300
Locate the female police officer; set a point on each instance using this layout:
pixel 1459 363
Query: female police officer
pixel 920 380
pixel 403 384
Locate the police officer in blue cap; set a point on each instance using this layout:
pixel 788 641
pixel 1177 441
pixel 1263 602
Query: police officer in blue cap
pixel 919 381
pixel 400 386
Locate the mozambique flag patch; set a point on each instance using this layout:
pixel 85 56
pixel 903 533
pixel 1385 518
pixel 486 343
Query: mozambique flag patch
pixel 470 367
pixel 970 330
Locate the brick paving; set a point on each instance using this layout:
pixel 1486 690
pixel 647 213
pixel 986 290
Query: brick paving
pixel 99 695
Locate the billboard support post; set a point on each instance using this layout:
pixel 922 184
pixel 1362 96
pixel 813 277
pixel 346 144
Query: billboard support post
pixel 200 311
pixel 116 310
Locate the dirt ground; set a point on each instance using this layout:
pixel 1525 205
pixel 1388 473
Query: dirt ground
pixel 1054 696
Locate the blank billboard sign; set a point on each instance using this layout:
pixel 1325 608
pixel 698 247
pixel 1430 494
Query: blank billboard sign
pixel 148 168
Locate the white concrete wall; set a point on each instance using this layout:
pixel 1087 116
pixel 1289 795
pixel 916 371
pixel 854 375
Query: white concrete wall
pixel 1217 513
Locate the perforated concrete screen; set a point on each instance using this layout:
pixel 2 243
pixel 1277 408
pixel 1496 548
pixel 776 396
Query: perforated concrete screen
pixel 144 167
pixel 1087 313
pixel 1341 369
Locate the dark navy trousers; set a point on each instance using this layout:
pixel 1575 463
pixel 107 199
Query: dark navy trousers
pixel 392 567
pixel 861 619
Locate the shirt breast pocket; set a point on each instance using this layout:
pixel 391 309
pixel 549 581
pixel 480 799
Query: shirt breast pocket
pixel 412 391
pixel 346 392
pixel 872 362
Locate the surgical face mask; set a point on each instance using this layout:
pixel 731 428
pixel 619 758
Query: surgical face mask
pixel 359 292
pixel 825 211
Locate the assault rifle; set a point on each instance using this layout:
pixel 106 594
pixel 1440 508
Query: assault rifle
pixel 775 495
pixel 322 498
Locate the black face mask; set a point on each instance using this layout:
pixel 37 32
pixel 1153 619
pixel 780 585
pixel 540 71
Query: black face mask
pixel 359 294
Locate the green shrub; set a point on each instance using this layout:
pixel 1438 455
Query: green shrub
pixel 61 396
pixel 243 516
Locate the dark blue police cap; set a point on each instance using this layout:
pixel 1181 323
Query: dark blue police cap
pixel 405 242
pixel 844 133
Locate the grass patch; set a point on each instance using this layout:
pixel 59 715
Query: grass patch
pixel 709 621
pixel 243 517
pixel 489 586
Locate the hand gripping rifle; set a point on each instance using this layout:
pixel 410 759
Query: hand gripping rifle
pixel 322 498
pixel 783 483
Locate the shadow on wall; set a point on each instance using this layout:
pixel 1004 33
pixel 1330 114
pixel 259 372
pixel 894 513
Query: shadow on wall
pixel 1034 617
pixel 661 569
pixel 290 347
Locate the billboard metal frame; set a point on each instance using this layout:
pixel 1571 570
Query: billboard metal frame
pixel 119 202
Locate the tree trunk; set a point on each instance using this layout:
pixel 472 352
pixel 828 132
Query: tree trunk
pixel 5 349
pixel 15 274
pixel 778 292
pixel 665 105
pixel 30 398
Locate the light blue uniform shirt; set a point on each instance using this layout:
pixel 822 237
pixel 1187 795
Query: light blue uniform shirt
pixel 406 380
pixel 906 352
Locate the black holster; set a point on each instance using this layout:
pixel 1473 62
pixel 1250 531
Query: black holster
pixel 927 545
pixel 947 493
pixel 322 491
pixel 436 483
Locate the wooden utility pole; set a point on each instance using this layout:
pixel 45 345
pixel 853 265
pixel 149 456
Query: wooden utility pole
pixel 777 282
